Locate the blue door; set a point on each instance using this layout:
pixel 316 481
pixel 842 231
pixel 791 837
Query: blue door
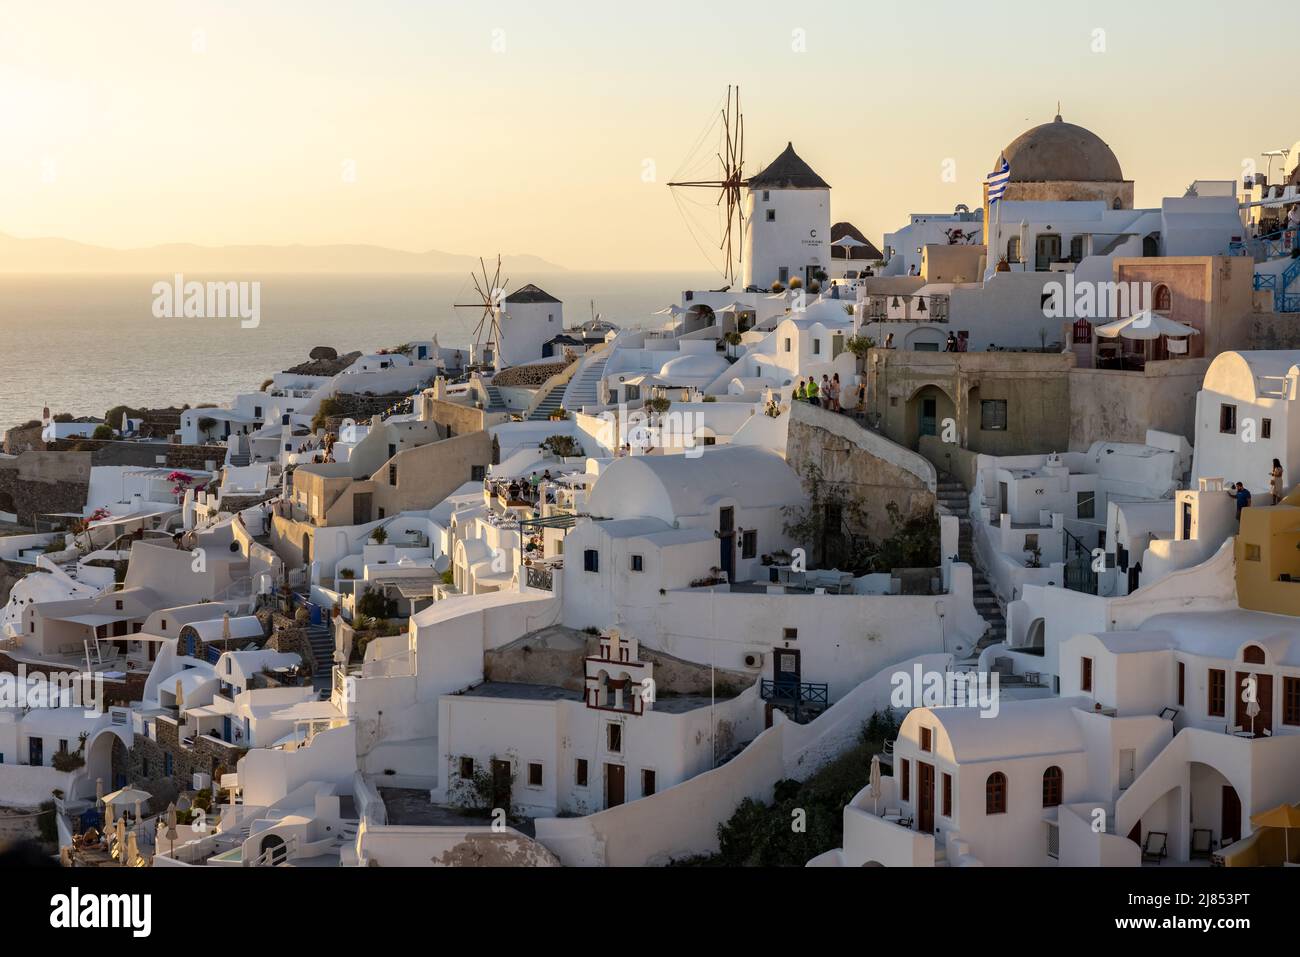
pixel 225 729
pixel 315 614
pixel 35 752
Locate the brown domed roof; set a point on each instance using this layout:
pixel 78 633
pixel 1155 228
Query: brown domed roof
pixel 1060 151
pixel 787 171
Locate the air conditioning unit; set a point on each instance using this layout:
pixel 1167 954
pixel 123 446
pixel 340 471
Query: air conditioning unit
pixel 200 781
pixel 753 660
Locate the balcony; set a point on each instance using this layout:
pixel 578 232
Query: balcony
pixel 801 700
pixel 539 576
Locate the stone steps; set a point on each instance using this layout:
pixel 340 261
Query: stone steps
pixel 954 497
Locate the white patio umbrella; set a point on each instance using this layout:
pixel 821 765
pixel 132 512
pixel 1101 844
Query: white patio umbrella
pixel 1145 325
pixel 732 308
pixel 874 785
pixel 847 242
pixel 673 310
pixel 127 797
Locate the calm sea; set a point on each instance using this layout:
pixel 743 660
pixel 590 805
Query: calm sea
pixel 83 344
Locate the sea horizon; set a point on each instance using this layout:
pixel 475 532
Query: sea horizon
pixel 82 343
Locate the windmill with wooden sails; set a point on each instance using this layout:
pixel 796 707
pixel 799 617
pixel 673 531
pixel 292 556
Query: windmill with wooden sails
pixel 729 127
pixel 491 294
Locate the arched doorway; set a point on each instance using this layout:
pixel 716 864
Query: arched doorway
pixel 306 548
pixel 927 409
pixel 273 850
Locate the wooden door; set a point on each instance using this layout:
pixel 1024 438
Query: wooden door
pixel 925 797
pixel 929 416
pixel 1047 250
pixel 501 785
pixel 613 785
pixel 786 669
pixel 1263 695
pixel 727 541
pixel 1230 828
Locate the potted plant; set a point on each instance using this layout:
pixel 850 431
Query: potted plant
pixel 379 536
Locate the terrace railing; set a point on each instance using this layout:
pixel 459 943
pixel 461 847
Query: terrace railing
pixel 802 700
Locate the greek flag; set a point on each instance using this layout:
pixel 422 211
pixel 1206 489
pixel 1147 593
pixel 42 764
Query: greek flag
pixel 997 181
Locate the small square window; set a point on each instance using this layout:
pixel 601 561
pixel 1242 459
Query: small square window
pixel 1252 553
pixel 466 768
pixel 927 739
pixel 647 782
pixel 477 473
pixel 637 563
pixel 749 544
pixel 787 345
pixel 789 634
pixel 392 475
pixel 1266 428
pixel 591 560
pixel 817 347
pixel 1086 504
pixel 614 738
pixel 1228 419
pixel 534 774
pixel 993 415
pixel 580 773
pixel 771 215
pixel 118 604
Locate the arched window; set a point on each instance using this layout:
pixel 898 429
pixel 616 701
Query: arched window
pixel 1053 782
pixel 995 794
pixel 1163 300
pixel 1116 204
pixel 1253 655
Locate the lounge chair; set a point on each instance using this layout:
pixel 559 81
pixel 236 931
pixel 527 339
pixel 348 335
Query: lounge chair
pixel 1202 843
pixel 1156 847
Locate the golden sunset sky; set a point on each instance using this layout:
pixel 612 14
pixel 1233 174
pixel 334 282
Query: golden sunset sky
pixel 524 127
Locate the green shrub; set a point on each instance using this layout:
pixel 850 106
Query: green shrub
pixel 102 432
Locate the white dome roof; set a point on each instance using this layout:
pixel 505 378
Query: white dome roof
pixel 694 366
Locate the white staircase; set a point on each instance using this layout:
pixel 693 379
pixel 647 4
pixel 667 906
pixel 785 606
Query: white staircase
pixel 583 388
pixel 551 402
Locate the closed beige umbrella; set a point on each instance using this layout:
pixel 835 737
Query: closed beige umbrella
pixel 874 787
pixel 121 841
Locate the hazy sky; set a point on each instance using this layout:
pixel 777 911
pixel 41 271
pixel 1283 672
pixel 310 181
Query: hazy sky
pixel 525 127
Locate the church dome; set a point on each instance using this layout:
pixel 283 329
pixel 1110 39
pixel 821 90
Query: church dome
pixel 1061 152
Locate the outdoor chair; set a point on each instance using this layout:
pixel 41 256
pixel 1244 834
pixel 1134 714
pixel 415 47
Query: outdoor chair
pixel 1156 847
pixel 1202 843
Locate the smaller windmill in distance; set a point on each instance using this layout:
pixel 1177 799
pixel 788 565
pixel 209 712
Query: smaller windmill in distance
pixel 491 293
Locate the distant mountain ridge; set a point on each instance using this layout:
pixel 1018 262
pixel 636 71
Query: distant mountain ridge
pixel 52 255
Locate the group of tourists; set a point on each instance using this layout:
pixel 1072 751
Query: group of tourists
pixel 827 393
pixel 519 490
